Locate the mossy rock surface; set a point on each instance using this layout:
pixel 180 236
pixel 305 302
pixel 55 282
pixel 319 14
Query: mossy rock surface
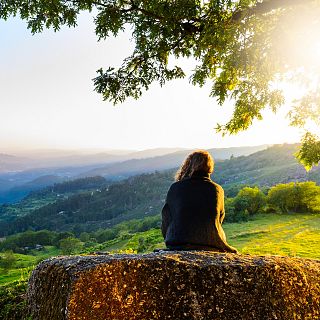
pixel 175 285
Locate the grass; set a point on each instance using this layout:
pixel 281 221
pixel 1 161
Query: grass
pixel 274 234
pixel 25 264
pixel 151 239
pixel 296 235
pixel 15 275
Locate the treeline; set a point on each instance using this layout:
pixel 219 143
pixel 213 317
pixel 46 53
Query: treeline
pixel 19 243
pixel 299 197
pixel 133 198
pixel 31 240
pixel 37 199
pixel 144 195
pixel 73 186
pixel 264 168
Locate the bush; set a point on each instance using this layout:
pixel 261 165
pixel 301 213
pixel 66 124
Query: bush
pixel 19 241
pixel 7 261
pixel 249 199
pixel 295 197
pixel 84 236
pixel 70 245
pixel 128 227
pixel 104 235
pixel 60 236
pixel 142 245
pixel 232 215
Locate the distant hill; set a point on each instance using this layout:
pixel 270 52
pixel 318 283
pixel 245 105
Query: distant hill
pixel 49 195
pixel 136 197
pixel 268 167
pixel 18 192
pixel 149 153
pixel 59 158
pixel 132 167
pixel 15 185
pixel 9 163
pixel 226 153
pixel 143 195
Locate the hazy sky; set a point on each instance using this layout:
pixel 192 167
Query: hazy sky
pixel 47 99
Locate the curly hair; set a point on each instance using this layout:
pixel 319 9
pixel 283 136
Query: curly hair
pixel 199 160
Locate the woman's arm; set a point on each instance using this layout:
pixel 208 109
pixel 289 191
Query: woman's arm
pixel 219 219
pixel 165 220
pixel 222 211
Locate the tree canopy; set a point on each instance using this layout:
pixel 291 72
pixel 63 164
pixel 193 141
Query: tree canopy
pixel 245 48
pixel 295 197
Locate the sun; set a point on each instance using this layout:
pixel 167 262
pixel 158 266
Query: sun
pixel 296 44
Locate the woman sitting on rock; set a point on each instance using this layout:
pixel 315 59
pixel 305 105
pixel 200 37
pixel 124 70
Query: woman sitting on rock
pixel 194 208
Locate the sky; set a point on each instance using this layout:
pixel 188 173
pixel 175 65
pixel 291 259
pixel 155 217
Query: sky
pixel 47 99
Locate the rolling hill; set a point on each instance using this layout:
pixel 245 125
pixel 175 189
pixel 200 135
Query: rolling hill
pixel 143 195
pixel 16 193
pixel 120 165
pixel 9 163
pixel 132 167
pixel 137 197
pixel 265 168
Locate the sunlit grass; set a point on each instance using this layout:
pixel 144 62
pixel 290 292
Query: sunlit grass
pixel 295 235
pixel 25 264
pixel 290 235
pixel 20 274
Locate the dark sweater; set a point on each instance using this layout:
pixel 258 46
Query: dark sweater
pixel 193 214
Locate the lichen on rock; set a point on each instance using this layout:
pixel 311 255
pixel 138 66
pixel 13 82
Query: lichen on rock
pixel 175 285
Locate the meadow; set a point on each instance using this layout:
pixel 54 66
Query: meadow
pixel 295 235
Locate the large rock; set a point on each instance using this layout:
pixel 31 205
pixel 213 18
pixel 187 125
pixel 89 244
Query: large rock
pixel 175 285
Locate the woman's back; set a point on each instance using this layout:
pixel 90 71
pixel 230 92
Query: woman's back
pixel 193 213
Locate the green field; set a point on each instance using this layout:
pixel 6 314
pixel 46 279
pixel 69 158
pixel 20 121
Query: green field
pixel 25 264
pixel 266 234
pixel 296 235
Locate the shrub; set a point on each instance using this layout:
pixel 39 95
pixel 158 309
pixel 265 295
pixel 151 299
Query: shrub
pixel 7 261
pixel 249 199
pixel 70 245
pixel 295 197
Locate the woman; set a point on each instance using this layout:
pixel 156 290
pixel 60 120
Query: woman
pixel 194 208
